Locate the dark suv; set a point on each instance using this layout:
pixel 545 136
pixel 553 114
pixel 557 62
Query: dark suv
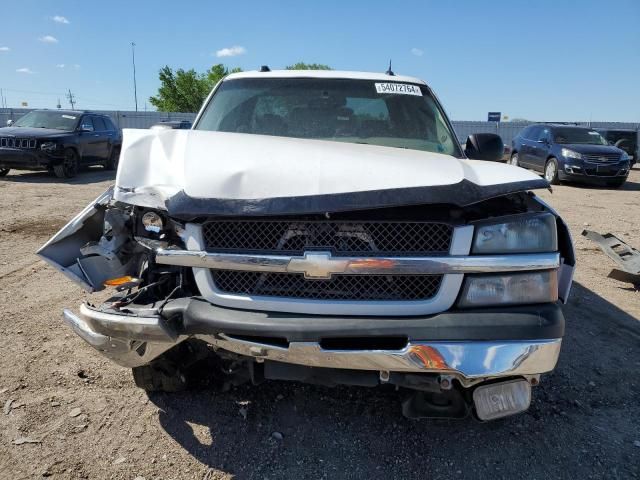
pixel 570 152
pixel 59 141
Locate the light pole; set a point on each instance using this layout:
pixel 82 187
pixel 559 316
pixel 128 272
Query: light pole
pixel 133 58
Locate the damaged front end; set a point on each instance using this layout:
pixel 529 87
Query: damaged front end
pixel 106 246
pixel 162 317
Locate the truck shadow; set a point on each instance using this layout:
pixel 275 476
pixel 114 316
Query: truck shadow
pixel 351 432
pixel 85 176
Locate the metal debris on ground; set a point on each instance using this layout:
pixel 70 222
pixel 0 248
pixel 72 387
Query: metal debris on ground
pixel 625 256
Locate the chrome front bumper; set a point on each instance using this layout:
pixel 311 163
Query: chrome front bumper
pixel 132 341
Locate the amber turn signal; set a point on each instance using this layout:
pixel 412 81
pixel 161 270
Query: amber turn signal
pixel 119 281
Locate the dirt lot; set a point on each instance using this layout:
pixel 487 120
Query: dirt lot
pixel 87 420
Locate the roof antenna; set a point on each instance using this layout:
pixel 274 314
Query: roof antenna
pixel 389 71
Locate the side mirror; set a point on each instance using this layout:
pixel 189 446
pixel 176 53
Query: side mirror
pixel 9 123
pixel 484 146
pixel 86 128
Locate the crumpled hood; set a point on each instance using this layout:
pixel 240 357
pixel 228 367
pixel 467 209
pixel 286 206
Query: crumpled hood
pixel 235 173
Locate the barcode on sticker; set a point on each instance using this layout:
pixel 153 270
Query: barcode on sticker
pixel 401 88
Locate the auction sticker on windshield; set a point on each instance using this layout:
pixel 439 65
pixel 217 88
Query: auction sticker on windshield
pixel 401 88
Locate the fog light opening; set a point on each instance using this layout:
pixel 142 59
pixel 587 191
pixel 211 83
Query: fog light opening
pixel 503 399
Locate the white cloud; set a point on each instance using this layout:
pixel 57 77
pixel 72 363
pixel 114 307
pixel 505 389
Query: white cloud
pixel 60 19
pixel 417 52
pixel 76 66
pixel 25 70
pixel 60 65
pixel 48 39
pixel 231 51
pixel 4 49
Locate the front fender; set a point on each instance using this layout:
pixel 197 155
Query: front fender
pixel 64 250
pixel 567 254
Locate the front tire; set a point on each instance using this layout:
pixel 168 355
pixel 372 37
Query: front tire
pixel 69 166
pixel 514 159
pixel 4 171
pixel 160 376
pixel 551 171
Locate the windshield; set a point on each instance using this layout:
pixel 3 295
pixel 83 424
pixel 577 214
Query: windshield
pixel 54 120
pixel 578 135
pixel 390 114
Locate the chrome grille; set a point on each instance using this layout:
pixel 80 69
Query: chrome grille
pixel 16 142
pixel 354 238
pixel 601 157
pixel 339 287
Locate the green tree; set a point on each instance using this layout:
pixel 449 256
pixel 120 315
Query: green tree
pixel 217 73
pixel 186 90
pixel 308 66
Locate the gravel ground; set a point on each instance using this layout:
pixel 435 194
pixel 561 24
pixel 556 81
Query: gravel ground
pixel 69 413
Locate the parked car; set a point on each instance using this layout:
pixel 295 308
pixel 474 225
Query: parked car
pixel 327 227
pixel 570 153
pixel 626 140
pixel 173 124
pixel 60 141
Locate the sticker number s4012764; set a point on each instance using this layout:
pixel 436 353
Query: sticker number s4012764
pixel 398 88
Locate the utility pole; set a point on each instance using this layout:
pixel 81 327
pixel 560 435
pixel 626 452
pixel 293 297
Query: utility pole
pixel 71 99
pixel 133 58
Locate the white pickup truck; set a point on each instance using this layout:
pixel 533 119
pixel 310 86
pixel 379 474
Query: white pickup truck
pixel 326 227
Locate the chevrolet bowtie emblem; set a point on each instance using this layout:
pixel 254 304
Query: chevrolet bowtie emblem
pixel 317 265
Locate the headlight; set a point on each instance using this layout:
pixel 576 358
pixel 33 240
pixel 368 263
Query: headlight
pixel 152 222
pixel 522 234
pixel 518 288
pixel 49 146
pixel 571 154
pixel 625 157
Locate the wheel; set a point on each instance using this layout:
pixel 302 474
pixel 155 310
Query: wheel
pixel 69 166
pixel 4 171
pixel 616 183
pixel 112 161
pixel 160 376
pixel 551 171
pixel 514 159
pixel 177 369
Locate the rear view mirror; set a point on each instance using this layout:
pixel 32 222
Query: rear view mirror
pixel 484 146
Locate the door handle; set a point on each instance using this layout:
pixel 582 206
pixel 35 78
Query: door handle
pixel 96 134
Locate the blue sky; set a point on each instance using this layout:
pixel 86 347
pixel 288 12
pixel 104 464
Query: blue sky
pixel 543 60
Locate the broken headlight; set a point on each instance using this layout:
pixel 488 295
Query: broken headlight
pixel 152 222
pixel 519 234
